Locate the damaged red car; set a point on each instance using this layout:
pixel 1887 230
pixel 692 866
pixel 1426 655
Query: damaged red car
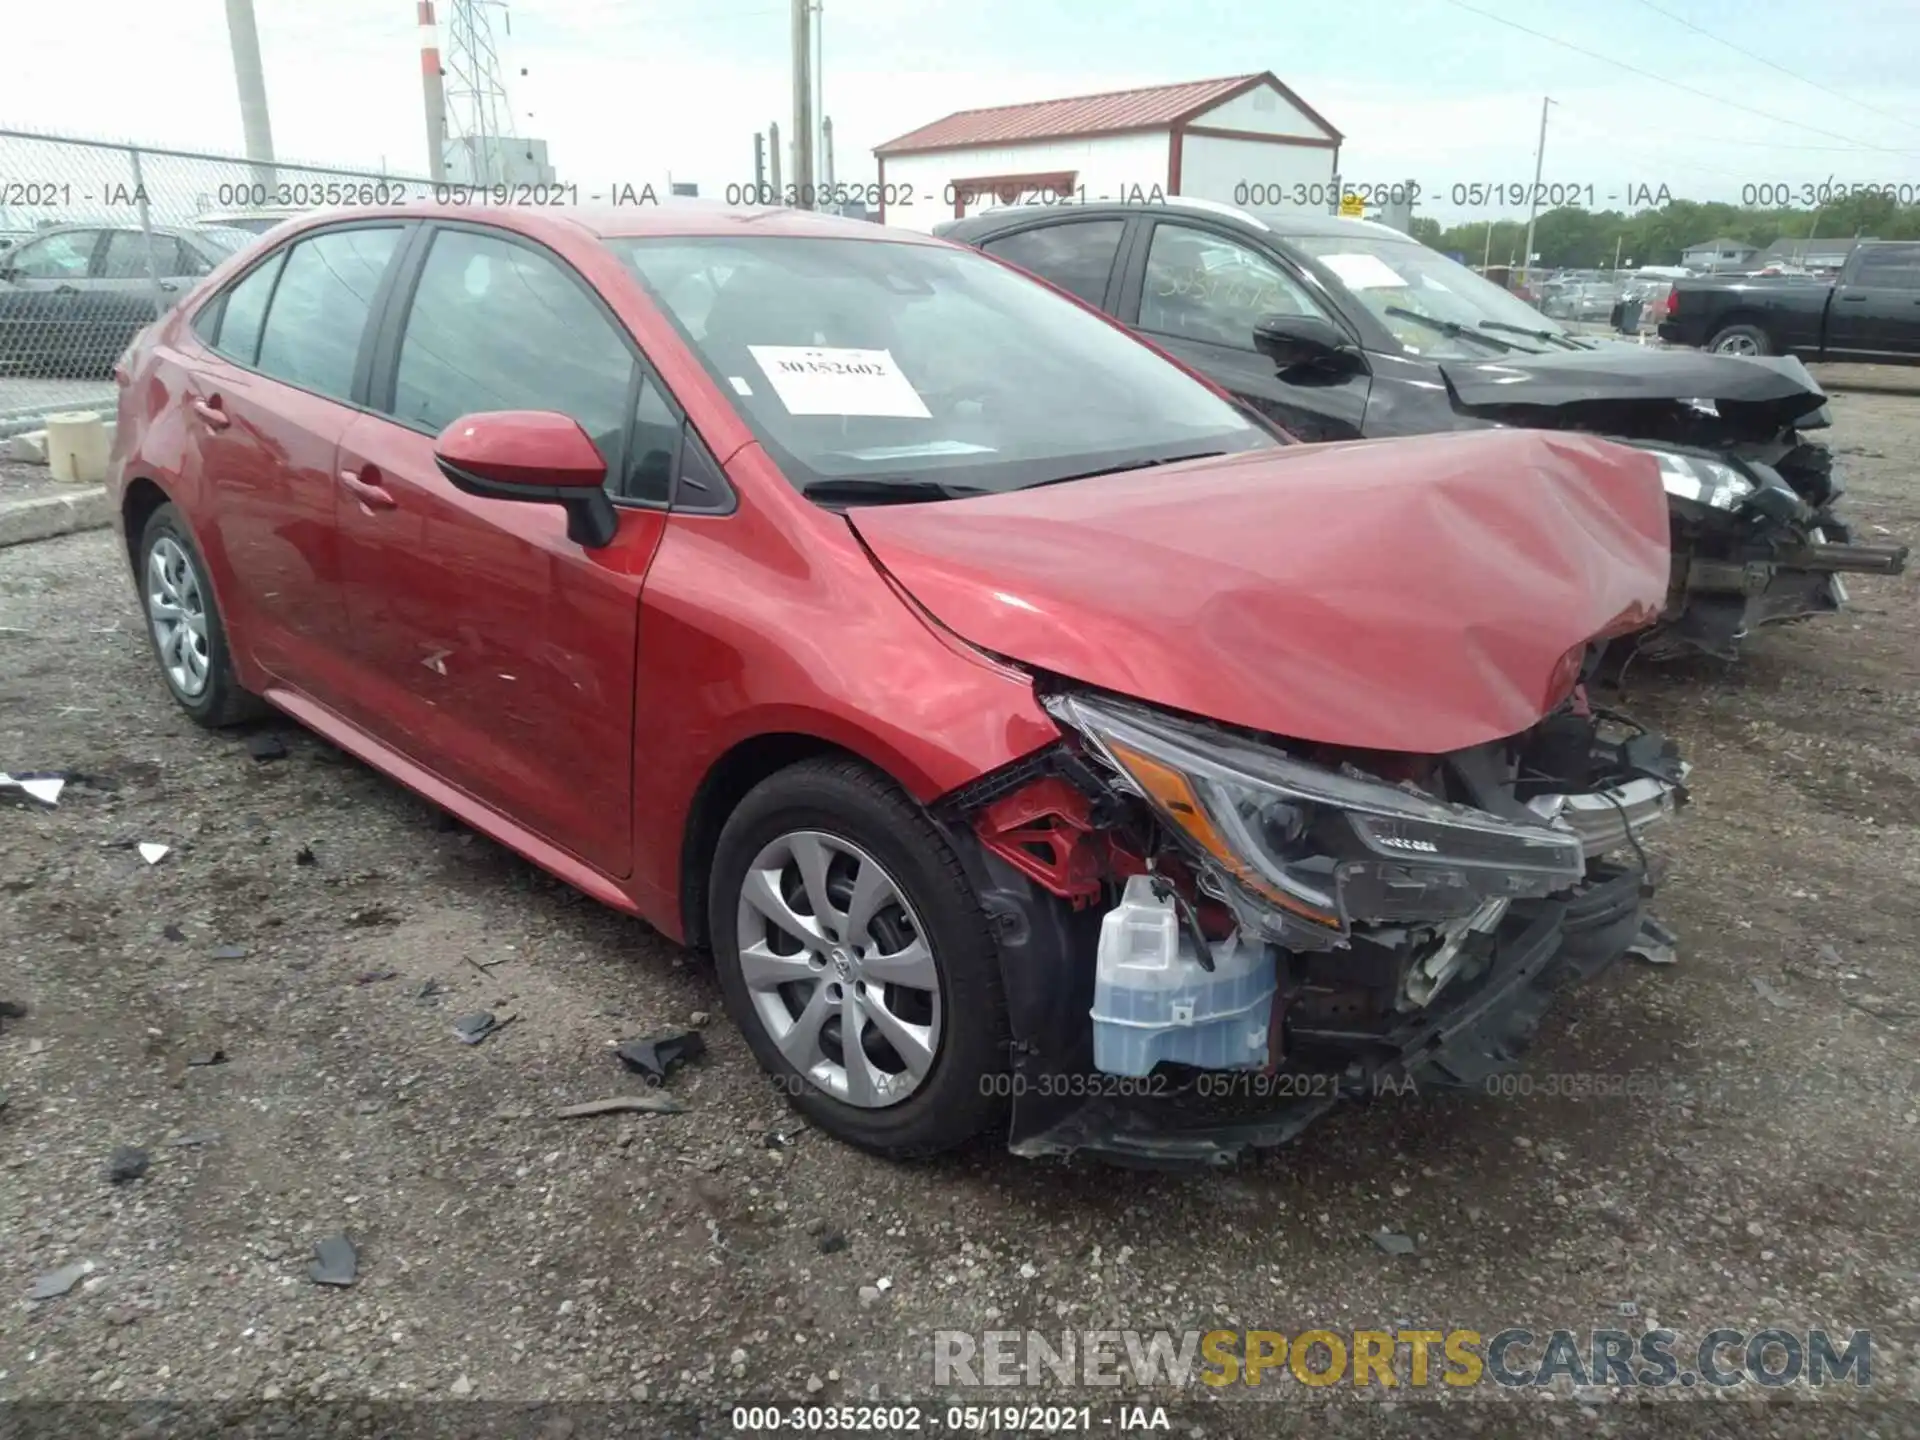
pixel 1034 739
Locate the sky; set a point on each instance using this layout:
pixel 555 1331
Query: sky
pixel 637 91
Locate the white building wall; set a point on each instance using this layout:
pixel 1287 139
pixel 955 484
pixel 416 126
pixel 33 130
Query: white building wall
pixel 1264 110
pixel 1107 167
pixel 1257 174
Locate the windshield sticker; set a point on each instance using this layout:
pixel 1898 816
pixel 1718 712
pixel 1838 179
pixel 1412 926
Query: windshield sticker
pixel 740 386
pixel 920 452
pixel 820 380
pixel 1364 272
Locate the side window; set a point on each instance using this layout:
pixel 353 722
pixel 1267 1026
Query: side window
pixel 1890 267
pixel 126 257
pixel 58 257
pixel 234 323
pixel 656 447
pixel 320 308
pixel 1202 286
pixel 497 326
pixel 1077 256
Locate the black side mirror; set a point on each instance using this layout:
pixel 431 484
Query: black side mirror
pixel 1296 341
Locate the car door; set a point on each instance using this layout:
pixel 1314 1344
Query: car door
pixel 121 298
pixel 39 297
pixel 1876 309
pixel 493 651
pixel 269 393
pixel 1197 292
pixel 1077 255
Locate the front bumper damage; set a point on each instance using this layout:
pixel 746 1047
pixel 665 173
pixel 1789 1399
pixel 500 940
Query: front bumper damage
pixel 1041 843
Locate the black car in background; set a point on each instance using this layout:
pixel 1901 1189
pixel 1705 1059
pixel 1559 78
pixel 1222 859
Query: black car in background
pixel 1343 329
pixel 72 297
pixel 1869 312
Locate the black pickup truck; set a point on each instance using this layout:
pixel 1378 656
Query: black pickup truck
pixel 1870 311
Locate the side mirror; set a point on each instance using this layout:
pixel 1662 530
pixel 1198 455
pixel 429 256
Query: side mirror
pixel 1296 341
pixel 535 455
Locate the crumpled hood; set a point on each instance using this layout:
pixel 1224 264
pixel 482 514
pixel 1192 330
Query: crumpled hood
pixel 1764 390
pixel 1418 595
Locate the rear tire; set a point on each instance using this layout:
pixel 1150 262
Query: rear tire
pixel 859 835
pixel 1741 340
pixel 184 627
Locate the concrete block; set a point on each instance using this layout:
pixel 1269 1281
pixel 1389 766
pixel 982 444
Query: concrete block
pixel 45 516
pixel 28 449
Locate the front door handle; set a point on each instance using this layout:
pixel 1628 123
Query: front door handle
pixel 369 494
pixel 66 289
pixel 210 412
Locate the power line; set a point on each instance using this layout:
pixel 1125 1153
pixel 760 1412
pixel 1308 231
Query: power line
pixel 1761 59
pixel 1663 80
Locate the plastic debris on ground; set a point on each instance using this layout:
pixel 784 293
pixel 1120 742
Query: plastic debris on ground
pixel 1655 943
pixel 1393 1242
pixel 198 1137
pixel 45 788
pixel 56 1283
pixel 304 856
pixel 12 1010
pixel 638 1104
pixel 430 989
pixel 1767 993
pixel 129 1162
pixel 229 952
pixel 153 854
pixel 264 746
pixel 335 1261
pixel 214 1057
pixel 658 1055
pixel 173 933
pixel 472 1029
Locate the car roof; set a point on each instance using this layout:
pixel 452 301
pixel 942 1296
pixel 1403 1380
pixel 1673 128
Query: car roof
pixel 77 225
pixel 1283 224
pixel 676 216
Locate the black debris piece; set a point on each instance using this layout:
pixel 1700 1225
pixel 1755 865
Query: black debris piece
pixel 656 1056
pixel 264 746
pixel 375 977
pixel 832 1242
pixel 472 1029
pixel 173 932
pixel 214 1057
pixel 229 952
pixel 13 1010
pixel 304 856
pixel 335 1261
pixel 129 1162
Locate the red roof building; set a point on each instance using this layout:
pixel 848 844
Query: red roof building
pixel 1240 140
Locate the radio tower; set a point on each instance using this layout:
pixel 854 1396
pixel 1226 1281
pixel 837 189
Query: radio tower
pixel 479 119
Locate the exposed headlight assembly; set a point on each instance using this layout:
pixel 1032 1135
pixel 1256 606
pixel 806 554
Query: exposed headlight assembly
pixel 1299 851
pixel 1712 483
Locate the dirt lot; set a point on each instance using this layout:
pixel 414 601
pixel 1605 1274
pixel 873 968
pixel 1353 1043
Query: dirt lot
pixel 1759 1170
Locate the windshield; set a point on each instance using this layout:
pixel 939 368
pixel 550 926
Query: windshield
pixel 1389 276
pixel 923 366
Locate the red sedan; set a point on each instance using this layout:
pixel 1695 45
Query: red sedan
pixel 1019 724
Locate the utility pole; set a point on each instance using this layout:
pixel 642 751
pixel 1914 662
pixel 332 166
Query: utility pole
pixel 773 159
pixel 244 37
pixel 1533 197
pixel 1616 250
pixel 759 167
pixel 803 104
pixel 1486 254
pixel 433 90
pixel 823 168
pixel 826 152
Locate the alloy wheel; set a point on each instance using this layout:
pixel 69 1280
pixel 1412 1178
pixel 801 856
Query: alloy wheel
pixel 177 610
pixel 1738 345
pixel 838 968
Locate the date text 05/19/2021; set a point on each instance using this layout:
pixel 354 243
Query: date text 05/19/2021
pixel 903 1419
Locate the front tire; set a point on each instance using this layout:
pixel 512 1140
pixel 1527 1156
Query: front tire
pixel 855 959
pixel 1741 340
pixel 183 623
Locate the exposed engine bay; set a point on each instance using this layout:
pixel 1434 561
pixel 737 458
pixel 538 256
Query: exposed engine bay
pixel 1756 537
pixel 1310 920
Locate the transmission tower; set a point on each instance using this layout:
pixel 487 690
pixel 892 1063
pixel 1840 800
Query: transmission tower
pixel 479 119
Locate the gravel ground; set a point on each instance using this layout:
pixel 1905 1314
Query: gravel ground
pixel 1759 1172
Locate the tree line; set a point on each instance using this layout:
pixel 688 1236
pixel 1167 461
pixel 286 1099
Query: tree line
pixel 1572 237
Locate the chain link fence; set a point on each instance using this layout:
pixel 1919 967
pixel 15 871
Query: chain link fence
pixel 97 239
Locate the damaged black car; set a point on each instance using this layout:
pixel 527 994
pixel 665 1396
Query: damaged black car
pixel 1341 329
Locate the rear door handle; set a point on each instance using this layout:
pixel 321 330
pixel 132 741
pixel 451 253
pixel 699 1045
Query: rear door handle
pixel 369 494
pixel 210 412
